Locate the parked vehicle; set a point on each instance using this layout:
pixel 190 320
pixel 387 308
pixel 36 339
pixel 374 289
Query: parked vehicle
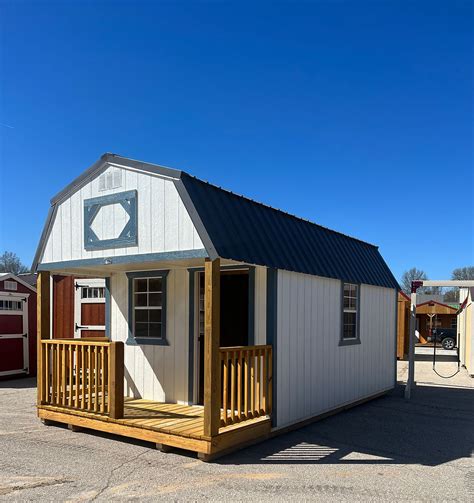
pixel 446 336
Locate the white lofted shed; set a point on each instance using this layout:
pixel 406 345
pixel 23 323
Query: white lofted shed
pixel 316 307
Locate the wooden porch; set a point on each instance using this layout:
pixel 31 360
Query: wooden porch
pixel 167 425
pixel 81 384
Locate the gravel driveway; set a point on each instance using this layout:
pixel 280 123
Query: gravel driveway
pixel 388 449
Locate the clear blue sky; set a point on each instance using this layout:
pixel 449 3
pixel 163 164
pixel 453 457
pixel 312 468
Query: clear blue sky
pixel 356 115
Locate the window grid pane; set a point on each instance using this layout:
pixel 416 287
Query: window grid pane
pixel 148 303
pixel 350 311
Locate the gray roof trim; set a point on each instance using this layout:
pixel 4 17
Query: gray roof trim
pixel 196 219
pixel 118 160
pixel 44 235
pixel 125 259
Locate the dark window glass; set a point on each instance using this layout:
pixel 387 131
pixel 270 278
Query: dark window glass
pixel 154 285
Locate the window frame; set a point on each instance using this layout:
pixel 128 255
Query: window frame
pixel 352 340
pixel 139 341
pixel 10 285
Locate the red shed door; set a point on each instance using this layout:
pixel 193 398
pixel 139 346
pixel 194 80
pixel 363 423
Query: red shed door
pixel 89 312
pixel 13 333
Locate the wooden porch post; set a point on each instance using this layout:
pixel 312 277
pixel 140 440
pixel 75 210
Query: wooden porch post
pixel 43 301
pixel 116 376
pixel 212 367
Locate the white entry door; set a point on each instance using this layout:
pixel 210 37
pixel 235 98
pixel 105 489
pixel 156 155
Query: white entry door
pixel 89 308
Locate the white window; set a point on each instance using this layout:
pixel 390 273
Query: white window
pixel 10 285
pixel 92 292
pixel 350 312
pixel 10 305
pixel 148 297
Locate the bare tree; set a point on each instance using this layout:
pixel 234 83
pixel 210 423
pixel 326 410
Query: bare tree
pixel 10 262
pixel 459 274
pixel 412 274
pixel 463 273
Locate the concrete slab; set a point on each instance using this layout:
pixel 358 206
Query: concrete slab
pixel 385 450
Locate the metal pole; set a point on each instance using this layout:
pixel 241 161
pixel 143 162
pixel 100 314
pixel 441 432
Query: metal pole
pixel 411 347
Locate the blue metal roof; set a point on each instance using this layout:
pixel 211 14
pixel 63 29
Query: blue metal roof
pixel 240 229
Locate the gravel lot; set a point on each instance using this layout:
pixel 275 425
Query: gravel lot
pixel 387 449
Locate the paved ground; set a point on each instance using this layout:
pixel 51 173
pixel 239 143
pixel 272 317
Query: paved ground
pixel 386 450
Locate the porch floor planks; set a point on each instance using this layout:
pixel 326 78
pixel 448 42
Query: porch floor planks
pixel 175 420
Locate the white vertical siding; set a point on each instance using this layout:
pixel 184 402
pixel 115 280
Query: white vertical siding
pixel 155 372
pixel 314 373
pixel 163 221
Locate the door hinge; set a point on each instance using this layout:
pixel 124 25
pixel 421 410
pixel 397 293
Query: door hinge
pixel 78 327
pixel 77 286
pixel 24 335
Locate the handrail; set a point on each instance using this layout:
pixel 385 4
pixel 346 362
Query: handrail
pixel 82 342
pixel 83 375
pixel 246 382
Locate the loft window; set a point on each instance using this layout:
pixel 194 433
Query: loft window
pixel 350 314
pixel 147 313
pixel 10 285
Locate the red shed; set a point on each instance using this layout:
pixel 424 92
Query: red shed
pixel 17 326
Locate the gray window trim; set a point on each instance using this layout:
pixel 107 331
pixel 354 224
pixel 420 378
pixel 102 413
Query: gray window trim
pixel 356 340
pixel 139 341
pixel 128 236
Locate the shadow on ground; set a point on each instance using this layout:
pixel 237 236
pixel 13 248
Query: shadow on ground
pixel 18 383
pixel 435 427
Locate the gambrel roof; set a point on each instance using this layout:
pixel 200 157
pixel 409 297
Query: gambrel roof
pixel 234 227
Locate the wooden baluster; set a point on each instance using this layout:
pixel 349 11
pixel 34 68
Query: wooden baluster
pixel 252 382
pixel 89 378
pixel 259 382
pixel 96 373
pixel 270 381
pixel 77 374
pixel 83 377
pixel 63 373
pixel 53 373
pixel 246 384
pixel 239 385
pixel 71 375
pixel 225 379
pixel 58 374
pixel 232 387
pixel 264 381
pixel 106 380
pixel 102 381
pixel 46 371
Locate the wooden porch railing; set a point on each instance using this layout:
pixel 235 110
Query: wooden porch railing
pixel 246 383
pixel 82 374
